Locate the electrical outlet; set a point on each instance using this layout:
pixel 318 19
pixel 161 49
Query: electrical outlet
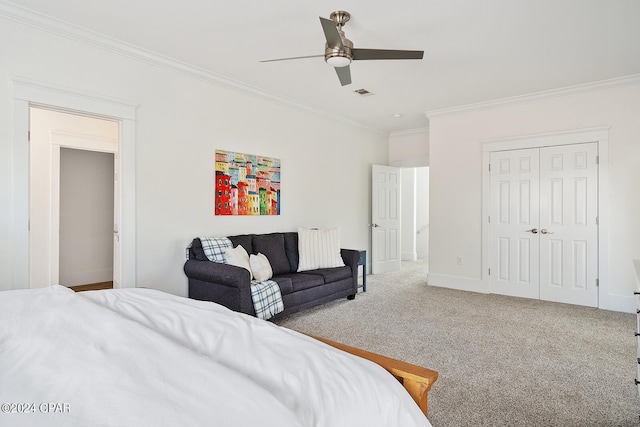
pixel 459 260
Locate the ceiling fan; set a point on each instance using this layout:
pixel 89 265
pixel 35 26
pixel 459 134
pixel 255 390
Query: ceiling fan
pixel 339 51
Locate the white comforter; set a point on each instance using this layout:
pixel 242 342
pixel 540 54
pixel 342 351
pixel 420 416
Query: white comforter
pixel 139 357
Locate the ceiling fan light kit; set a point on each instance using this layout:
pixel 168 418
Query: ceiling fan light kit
pixel 338 61
pixel 339 51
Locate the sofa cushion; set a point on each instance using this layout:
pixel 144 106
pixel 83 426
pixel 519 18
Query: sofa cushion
pixel 272 246
pixel 291 248
pixel 332 274
pixel 246 240
pixel 301 281
pixel 319 249
pixel 286 287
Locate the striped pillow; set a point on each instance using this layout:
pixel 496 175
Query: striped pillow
pixel 319 249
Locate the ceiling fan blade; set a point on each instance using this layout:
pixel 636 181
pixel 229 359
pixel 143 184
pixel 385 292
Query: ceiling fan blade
pixel 331 33
pixel 295 57
pixel 366 54
pixel 344 74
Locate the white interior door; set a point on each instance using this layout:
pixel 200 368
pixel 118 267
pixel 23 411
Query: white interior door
pixel 543 223
pixel 385 219
pixel 568 224
pixel 514 221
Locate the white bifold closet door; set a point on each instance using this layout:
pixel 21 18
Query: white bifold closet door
pixel 543 231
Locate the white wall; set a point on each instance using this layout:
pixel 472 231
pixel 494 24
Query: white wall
pixel 409 148
pixel 456 179
pixel 181 120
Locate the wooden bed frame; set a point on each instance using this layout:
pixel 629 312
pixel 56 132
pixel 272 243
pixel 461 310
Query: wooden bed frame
pixel 415 379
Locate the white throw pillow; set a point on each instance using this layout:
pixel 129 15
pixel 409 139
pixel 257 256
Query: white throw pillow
pixel 261 267
pixel 238 256
pixel 319 249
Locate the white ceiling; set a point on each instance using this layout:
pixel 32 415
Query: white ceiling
pixel 475 51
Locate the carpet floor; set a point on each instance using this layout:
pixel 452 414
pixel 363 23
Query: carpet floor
pixel 502 361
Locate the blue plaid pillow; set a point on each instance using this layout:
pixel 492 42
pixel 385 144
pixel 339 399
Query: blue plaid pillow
pixel 214 247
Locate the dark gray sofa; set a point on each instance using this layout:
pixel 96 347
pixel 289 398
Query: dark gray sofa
pixel 231 286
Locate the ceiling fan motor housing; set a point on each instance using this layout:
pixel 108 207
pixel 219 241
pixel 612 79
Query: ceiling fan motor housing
pixel 339 56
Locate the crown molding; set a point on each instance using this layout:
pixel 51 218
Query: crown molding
pixel 631 80
pixel 61 28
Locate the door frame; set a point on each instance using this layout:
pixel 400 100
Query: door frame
pixel 28 93
pixel 599 135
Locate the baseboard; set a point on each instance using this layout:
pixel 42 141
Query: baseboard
pixel 409 256
pixel 456 282
pixel 621 303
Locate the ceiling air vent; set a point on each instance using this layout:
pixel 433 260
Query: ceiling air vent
pixel 363 92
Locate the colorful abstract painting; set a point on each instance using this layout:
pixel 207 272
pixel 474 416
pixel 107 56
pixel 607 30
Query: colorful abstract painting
pixel 247 184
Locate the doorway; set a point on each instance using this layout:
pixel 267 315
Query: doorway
pixel 415 214
pixel 72 193
pixel 86 218
pixel 400 217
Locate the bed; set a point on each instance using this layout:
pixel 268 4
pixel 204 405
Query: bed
pixel 141 357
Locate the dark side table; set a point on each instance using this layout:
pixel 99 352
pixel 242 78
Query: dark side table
pixel 363 263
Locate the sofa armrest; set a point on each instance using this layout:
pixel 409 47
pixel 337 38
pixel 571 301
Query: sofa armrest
pixel 224 284
pixel 351 258
pixel 218 273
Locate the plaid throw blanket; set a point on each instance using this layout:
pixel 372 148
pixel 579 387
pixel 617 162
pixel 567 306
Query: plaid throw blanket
pixel 267 300
pixel 213 248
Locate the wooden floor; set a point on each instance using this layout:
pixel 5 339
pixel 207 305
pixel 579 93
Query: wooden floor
pixel 92 287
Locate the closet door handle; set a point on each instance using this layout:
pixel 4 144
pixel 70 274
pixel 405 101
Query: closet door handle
pixel 545 231
pixel 533 231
